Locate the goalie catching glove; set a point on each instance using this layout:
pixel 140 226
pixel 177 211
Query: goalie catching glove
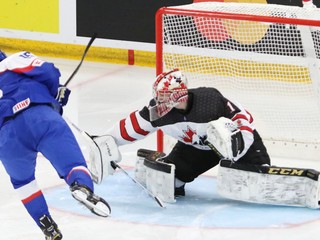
pixel 224 137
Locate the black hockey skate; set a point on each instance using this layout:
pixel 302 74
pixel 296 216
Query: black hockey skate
pixel 179 191
pixel 94 203
pixel 50 228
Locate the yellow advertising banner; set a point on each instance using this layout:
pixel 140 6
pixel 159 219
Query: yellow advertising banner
pixel 30 15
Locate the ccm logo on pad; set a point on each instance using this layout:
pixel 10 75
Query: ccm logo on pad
pixel 286 171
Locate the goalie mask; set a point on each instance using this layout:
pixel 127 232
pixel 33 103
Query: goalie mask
pixel 169 89
pixel 2 55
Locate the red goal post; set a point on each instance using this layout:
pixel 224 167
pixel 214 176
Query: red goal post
pixel 262 55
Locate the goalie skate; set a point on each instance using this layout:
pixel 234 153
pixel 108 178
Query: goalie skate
pixel 94 203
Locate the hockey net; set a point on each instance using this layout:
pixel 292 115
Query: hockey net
pixel 264 56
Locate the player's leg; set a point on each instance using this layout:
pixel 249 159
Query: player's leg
pixel 189 163
pixel 60 147
pixel 18 156
pixel 58 144
pixel 165 176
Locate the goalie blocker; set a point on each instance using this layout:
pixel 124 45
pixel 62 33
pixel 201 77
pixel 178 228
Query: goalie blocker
pixel 269 184
pixel 103 150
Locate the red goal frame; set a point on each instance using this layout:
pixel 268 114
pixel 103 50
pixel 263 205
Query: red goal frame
pixel 211 14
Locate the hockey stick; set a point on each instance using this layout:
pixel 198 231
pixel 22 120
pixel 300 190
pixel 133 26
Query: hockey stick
pixel 83 56
pixel 115 165
pixel 97 176
pixel 213 148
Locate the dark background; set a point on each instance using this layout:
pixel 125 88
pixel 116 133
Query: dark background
pixel 130 20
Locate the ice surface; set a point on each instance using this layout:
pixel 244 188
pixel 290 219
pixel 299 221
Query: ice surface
pixel 102 94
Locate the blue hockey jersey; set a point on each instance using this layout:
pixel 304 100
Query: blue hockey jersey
pixel 25 79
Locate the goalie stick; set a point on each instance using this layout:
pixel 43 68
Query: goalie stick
pixel 115 165
pixel 213 148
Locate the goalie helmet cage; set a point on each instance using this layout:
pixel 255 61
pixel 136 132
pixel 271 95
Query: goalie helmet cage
pixel 265 56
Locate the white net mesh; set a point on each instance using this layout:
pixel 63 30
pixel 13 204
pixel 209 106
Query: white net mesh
pixel 264 56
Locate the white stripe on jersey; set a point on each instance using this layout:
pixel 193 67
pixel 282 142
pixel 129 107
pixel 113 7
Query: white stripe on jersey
pixel 130 129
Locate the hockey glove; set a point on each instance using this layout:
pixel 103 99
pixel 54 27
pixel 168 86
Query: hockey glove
pixel 63 95
pixel 109 152
pixel 225 138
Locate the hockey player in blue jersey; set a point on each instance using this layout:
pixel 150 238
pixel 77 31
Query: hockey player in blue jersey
pixel 31 101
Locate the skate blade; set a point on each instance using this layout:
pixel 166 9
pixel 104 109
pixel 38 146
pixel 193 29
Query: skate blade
pixel 99 208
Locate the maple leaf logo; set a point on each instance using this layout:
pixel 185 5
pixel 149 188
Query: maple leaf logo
pixel 188 135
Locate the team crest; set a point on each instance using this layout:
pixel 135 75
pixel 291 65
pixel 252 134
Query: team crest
pixel 190 136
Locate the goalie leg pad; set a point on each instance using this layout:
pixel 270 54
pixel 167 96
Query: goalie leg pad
pixel 140 169
pixel 160 180
pixel 156 175
pixel 150 154
pixel 269 185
